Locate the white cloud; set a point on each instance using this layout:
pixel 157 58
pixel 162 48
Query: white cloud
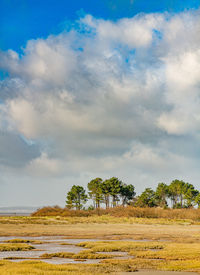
pixel 102 100
pixel 135 32
pixel 45 166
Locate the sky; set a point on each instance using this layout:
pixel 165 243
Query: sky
pixel 97 89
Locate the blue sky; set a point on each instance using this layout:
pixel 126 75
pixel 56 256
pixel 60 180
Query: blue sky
pixel 97 89
pixel 21 20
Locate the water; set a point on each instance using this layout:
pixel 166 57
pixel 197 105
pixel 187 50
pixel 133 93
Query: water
pixel 17 211
pixel 49 245
pixel 54 244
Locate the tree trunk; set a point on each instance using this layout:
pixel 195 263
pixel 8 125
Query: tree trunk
pixel 181 200
pixel 107 201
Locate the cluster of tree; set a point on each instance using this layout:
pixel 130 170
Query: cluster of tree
pixel 109 192
pixel 180 193
pixel 113 192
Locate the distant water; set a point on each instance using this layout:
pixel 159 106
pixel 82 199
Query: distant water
pixel 17 211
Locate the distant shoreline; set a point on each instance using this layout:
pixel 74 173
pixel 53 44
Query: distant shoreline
pixel 17 211
pixel 10 214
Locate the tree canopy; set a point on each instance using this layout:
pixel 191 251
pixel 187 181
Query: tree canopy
pixel 76 197
pixel 113 192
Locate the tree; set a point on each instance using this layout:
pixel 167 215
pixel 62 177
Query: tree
pixel 106 189
pixel 197 200
pixel 146 199
pixel 127 193
pixel 95 191
pixel 182 194
pixel 76 197
pixel 162 192
pixel 190 195
pixel 177 190
pixel 115 187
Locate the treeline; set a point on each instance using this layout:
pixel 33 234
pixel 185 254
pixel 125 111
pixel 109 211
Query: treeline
pixel 113 192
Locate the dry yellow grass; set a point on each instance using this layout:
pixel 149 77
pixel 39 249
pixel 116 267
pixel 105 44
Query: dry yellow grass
pixel 39 268
pixel 172 251
pixel 104 219
pixel 15 247
pixel 87 254
pixel 166 256
pixel 180 252
pixel 124 246
pixel 23 241
pixel 95 228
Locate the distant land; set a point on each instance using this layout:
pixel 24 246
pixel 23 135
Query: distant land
pixel 17 210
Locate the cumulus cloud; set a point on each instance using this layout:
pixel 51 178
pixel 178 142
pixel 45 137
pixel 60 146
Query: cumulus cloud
pixel 104 96
pixel 43 166
pixel 134 33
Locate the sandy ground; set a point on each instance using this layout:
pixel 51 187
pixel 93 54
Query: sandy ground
pixel 150 272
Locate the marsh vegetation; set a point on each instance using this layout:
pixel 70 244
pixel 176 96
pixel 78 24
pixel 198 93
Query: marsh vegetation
pixel 119 244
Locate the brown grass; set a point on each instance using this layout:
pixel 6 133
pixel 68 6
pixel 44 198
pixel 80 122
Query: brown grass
pixel 192 214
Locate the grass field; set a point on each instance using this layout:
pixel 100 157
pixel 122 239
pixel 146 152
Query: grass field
pixel 105 227
pixel 173 244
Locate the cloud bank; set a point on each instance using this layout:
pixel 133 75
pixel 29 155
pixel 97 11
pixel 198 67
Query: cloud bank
pixel 103 99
